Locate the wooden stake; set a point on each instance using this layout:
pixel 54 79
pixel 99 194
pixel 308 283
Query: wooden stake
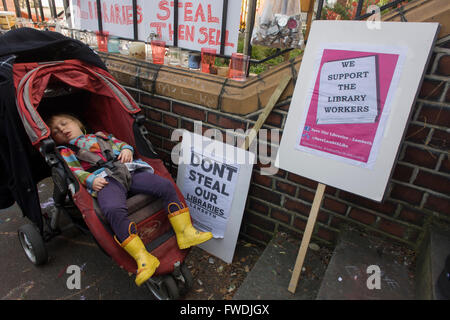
pixel 306 237
pixel 266 111
pixel 309 18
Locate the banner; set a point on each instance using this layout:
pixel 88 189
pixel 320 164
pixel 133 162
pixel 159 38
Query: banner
pixel 348 103
pixel 199 21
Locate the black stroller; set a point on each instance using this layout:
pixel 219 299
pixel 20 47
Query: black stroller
pixel 42 72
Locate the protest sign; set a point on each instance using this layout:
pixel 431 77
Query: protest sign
pixel 349 102
pixel 199 21
pixel 209 183
pixel 214 179
pixel 339 130
pixel 349 111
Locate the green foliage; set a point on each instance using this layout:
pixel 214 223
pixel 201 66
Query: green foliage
pixel 262 52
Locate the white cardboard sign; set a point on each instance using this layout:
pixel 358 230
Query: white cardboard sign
pixel 350 107
pixel 214 178
pixel 209 184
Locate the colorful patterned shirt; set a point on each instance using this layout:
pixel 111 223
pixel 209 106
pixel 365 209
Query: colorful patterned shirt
pixel 89 142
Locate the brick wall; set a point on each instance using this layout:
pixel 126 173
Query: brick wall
pixel 418 191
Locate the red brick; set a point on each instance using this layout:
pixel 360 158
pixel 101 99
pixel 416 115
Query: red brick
pixel 392 228
pixel 299 224
pixel 323 217
pixel 402 173
pixel 286 188
pixel 281 215
pixel 297 207
pixel 301 180
pixel 158 130
pixel 189 112
pixel 265 194
pixel 362 216
pixel 258 206
pixel 420 157
pixel 188 125
pixel 443 66
pixel 440 139
pixel 250 218
pixel 431 89
pixel 155 102
pixel 435 115
pixel 274 119
pixel 413 216
pixel 170 120
pixel 445 165
pixel 305 195
pixel 407 194
pixel 225 122
pixel 326 234
pixel 386 207
pixel 438 204
pixel 337 222
pixel 334 205
pixel 433 181
pixel 153 114
pixel 417 134
pixel 257 234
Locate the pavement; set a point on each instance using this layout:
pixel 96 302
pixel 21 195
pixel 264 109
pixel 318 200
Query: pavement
pixel 336 275
pixel 367 268
pixel 269 279
pixel 101 278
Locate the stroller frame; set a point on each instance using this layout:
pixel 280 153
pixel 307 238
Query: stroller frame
pixel 174 278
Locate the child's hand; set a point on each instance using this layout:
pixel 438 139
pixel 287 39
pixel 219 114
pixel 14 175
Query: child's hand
pixel 126 155
pixel 99 183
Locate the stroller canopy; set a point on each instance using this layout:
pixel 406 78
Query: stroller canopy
pixel 31 62
pixel 34 80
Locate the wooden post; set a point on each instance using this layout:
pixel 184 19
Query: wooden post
pixel 306 237
pixel 309 18
pixel 266 111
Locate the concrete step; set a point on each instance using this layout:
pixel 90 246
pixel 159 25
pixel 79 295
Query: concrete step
pixel 430 262
pixel 269 279
pixel 357 264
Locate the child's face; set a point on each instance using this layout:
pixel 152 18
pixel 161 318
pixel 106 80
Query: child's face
pixel 64 129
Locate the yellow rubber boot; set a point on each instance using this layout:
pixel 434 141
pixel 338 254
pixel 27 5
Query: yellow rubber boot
pixel 146 262
pixel 187 235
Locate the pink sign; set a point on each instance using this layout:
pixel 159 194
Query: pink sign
pixel 347 102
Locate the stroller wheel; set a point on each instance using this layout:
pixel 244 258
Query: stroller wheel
pixel 163 287
pixel 33 244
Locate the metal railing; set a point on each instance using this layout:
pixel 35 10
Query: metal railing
pixel 39 14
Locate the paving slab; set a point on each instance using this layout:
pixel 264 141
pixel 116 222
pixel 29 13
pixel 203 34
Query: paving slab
pixel 353 269
pixel 269 279
pixel 431 262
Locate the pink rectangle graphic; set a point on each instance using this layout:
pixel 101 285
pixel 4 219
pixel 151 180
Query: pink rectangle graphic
pixel 347 102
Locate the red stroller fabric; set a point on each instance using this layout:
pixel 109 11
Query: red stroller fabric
pixel 110 109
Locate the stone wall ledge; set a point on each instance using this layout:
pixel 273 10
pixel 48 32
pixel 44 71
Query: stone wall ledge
pixel 211 91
